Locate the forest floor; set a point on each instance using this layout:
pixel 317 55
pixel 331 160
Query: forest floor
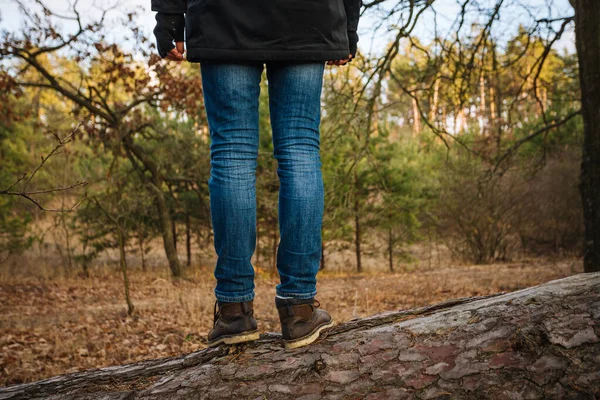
pixel 50 327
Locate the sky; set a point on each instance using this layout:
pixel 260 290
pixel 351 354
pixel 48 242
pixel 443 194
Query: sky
pixel 371 41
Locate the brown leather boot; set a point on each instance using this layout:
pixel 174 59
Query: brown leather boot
pixel 301 321
pixel 233 323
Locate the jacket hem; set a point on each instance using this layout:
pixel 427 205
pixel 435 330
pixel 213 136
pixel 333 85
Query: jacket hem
pixel 200 54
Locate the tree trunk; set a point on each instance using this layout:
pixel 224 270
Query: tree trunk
pixel 587 33
pixel 122 257
pixel 123 265
pixel 188 239
pixel 496 100
pixel 391 249
pixel 63 222
pixel 416 118
pixel 166 230
pixel 482 103
pixel 156 183
pixel 142 254
pixel 357 235
pixel 442 123
pixel 174 232
pixel 535 343
pixel 434 104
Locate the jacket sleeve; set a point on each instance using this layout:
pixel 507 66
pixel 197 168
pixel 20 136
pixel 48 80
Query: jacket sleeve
pixel 170 6
pixel 353 15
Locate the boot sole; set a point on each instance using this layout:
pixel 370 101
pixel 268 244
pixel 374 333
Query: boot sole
pixel 247 337
pixel 294 344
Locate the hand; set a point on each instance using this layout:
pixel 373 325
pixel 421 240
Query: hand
pixel 176 54
pixel 170 28
pixel 340 62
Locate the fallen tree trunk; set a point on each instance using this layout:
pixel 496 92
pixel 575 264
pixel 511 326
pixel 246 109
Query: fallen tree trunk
pixel 536 343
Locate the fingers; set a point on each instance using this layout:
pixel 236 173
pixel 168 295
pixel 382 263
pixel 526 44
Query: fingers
pixel 340 62
pixel 175 55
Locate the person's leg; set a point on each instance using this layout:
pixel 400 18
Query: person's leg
pixel 295 105
pixel 231 97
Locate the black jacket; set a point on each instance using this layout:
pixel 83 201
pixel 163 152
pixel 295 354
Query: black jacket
pixel 263 30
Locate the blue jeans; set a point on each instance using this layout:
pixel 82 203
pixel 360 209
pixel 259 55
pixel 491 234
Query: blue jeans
pixel 231 97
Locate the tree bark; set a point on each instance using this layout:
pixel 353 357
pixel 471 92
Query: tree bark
pixel 587 33
pixel 536 343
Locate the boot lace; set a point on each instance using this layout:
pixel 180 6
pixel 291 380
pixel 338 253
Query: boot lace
pixel 216 314
pixel 316 304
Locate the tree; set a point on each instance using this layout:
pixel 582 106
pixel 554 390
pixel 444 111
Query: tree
pixel 587 33
pixel 111 88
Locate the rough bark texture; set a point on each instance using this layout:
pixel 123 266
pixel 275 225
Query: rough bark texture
pixel 587 32
pixel 536 343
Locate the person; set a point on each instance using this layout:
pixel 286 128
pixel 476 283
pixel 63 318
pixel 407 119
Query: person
pixel 233 41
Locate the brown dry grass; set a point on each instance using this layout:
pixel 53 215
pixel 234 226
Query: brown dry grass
pixel 54 326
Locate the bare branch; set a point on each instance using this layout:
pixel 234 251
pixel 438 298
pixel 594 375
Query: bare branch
pixel 544 129
pixel 28 194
